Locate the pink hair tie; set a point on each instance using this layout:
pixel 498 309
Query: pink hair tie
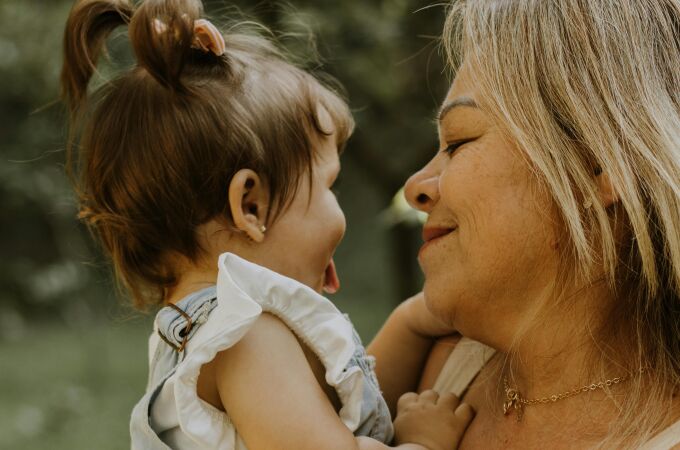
pixel 208 38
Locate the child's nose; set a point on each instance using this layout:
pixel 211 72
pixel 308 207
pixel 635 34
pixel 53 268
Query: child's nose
pixel 422 189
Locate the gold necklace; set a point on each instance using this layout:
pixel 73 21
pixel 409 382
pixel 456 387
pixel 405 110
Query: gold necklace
pixel 515 400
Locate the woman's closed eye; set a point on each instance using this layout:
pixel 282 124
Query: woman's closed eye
pixel 455 145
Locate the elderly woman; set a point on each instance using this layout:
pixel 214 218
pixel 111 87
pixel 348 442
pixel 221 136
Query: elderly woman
pixel 553 236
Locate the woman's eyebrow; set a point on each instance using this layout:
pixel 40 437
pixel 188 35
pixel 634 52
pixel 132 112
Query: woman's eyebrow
pixel 460 101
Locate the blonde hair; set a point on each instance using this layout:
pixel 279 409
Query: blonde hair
pixel 584 86
pixel 160 142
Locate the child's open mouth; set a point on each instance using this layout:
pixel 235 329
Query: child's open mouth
pixel 331 282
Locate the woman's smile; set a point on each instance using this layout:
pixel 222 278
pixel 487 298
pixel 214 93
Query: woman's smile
pixel 433 234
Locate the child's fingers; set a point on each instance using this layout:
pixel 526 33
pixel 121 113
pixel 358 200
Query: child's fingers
pixel 406 400
pixel 429 396
pixel 449 401
pixel 464 412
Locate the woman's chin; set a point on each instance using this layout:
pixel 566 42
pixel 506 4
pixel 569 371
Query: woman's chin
pixel 439 305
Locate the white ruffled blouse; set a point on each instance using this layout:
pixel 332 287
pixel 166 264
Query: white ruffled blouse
pixel 171 415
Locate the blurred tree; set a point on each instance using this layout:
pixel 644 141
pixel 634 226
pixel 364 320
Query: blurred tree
pixel 42 245
pixel 383 52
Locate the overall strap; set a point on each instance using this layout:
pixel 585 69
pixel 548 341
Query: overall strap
pixel 464 364
pixel 665 440
pixel 177 323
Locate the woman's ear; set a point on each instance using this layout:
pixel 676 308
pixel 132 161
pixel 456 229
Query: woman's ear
pixel 606 191
pixel 249 203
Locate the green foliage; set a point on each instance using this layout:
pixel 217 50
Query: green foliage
pixel 72 388
pixel 43 248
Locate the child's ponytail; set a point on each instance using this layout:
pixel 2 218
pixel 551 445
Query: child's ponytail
pixel 88 26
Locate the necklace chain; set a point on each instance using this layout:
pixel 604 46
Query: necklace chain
pixel 515 400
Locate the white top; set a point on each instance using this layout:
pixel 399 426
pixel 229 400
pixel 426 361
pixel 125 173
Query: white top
pixel 469 357
pixel 244 290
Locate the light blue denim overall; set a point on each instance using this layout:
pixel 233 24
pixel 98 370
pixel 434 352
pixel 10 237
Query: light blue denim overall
pixel 172 327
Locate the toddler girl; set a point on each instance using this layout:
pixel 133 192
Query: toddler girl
pixel 206 171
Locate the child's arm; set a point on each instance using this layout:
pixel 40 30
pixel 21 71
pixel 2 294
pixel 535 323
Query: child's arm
pixel 439 355
pixel 271 395
pixel 402 346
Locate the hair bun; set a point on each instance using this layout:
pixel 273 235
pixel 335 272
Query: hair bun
pixel 162 36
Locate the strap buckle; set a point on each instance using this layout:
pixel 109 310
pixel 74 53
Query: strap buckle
pixel 184 333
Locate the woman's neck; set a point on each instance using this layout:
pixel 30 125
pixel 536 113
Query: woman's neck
pixel 572 343
pixel 562 352
pixel 546 364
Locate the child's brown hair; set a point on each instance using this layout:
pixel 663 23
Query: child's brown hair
pixel 160 143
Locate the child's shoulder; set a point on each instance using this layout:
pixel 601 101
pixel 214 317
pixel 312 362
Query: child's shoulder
pixel 269 344
pixel 268 332
pixel 266 337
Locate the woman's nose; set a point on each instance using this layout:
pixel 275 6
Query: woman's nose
pixel 422 189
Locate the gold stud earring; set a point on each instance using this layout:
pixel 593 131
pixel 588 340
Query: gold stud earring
pixel 263 229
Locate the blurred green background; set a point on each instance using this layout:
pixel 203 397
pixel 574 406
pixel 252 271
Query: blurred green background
pixel 72 353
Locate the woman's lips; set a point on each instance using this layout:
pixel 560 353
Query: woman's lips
pixel 430 233
pixel 433 234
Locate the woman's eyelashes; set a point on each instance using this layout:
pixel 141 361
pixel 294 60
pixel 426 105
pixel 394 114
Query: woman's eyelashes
pixel 453 146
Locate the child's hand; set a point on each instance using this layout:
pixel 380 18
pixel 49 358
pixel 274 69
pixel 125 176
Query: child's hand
pixel 420 320
pixel 433 421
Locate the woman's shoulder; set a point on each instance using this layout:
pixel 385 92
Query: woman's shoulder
pixel 669 438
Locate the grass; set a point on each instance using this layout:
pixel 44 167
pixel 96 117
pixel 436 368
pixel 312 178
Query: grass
pixel 74 388
pixel 71 388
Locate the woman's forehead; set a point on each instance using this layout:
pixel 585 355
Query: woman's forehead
pixel 462 94
pixel 463 85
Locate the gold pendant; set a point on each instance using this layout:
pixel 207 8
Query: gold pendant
pixel 512 402
pixel 506 407
pixel 512 399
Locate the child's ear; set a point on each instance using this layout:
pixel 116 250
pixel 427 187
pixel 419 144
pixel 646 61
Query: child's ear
pixel 249 203
pixel 606 191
